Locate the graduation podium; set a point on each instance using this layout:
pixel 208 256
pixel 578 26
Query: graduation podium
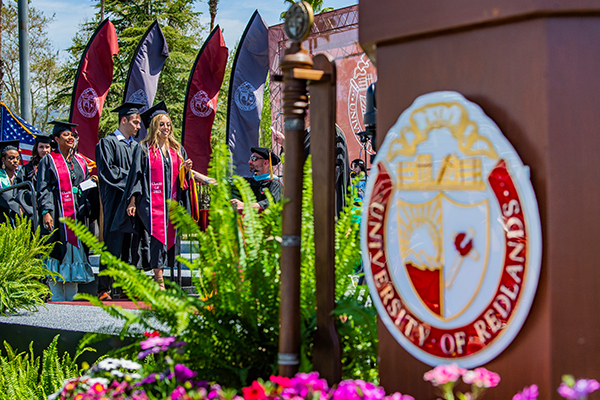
pixel 532 65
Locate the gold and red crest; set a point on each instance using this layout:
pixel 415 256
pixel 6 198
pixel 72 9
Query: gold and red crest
pixel 451 236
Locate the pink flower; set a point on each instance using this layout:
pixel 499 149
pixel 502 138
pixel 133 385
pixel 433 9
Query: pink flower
pixel 398 396
pixel 346 390
pixel 579 390
pixel 369 390
pixel 302 384
pixel 443 374
pixel 157 341
pixel 282 381
pixel 254 392
pixel 97 388
pixel 156 344
pixel 528 393
pixel 482 378
pixel 178 393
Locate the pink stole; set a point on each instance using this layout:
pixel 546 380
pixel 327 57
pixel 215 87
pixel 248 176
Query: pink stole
pixel 67 202
pixel 160 226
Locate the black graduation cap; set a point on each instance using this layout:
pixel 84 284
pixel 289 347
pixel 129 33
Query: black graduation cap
pixel 61 126
pixel 6 143
pixel 148 115
pixel 128 108
pixel 264 153
pixel 43 138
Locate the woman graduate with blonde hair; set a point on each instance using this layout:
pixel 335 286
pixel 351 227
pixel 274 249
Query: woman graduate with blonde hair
pixel 154 179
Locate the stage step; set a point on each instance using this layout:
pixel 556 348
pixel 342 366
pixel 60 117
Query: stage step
pixel 189 251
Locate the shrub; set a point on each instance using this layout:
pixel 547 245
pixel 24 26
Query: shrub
pixel 26 377
pixel 22 255
pixel 232 328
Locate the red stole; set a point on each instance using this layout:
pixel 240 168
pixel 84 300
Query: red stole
pixel 161 227
pixel 65 189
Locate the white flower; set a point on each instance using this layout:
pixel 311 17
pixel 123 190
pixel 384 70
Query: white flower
pixel 108 364
pixel 117 373
pixel 136 376
pixel 130 365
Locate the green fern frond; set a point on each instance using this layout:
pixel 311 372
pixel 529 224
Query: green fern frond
pixel 22 254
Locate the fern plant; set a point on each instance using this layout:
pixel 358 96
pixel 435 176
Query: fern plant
pixel 232 327
pixel 22 255
pixel 26 377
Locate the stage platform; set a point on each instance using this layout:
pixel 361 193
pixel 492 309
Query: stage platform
pixel 73 319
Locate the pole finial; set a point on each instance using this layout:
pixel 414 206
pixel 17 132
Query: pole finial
pixel 298 21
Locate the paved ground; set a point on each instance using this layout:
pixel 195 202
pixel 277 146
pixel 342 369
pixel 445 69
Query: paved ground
pixel 71 317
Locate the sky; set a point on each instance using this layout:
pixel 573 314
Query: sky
pixel 232 16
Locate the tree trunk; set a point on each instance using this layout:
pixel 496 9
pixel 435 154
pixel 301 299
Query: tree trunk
pixel 212 9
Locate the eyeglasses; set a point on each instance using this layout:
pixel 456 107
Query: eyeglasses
pixel 254 158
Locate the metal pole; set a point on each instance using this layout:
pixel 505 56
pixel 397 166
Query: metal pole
pixel 24 62
pixel 295 101
pixel 1 60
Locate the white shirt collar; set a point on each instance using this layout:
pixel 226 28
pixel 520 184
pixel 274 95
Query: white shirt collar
pixel 120 136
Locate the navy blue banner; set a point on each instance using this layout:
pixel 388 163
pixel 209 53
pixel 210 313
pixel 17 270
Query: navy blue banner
pixel 145 68
pixel 246 88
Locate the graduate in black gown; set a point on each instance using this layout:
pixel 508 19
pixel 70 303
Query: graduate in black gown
pixel 42 146
pixel 114 156
pixel 59 195
pixel 28 173
pixel 261 163
pixel 154 178
pixel 10 158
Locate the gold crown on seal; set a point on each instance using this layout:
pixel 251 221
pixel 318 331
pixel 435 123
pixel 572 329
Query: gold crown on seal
pixel 455 173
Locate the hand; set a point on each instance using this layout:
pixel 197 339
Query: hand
pixel 203 179
pixel 188 165
pixel 238 205
pixel 48 222
pixel 131 207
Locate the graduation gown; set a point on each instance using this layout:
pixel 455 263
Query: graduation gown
pixel 27 174
pixel 138 185
pixel 9 205
pixel 25 197
pixel 258 188
pixel 114 158
pixel 49 200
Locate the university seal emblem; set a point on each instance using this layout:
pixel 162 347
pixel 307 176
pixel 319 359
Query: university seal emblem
pixel 87 104
pixel 244 97
pixel 201 105
pixel 451 237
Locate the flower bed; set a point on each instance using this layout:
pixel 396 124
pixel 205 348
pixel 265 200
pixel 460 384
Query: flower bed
pixel 158 374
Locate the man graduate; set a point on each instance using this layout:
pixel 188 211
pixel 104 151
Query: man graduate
pixel 261 163
pixel 114 155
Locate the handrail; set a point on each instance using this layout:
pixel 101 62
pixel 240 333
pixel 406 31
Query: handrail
pixel 34 200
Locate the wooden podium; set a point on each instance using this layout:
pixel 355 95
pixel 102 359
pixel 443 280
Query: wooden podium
pixel 534 68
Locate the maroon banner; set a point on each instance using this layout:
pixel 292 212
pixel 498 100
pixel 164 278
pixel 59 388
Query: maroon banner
pixel 201 99
pixel 92 82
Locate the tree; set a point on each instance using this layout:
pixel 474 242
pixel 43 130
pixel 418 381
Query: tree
pixel 212 9
pixel 44 63
pixel 317 6
pixel 183 32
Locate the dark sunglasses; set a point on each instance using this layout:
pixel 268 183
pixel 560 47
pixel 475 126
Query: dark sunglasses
pixel 254 158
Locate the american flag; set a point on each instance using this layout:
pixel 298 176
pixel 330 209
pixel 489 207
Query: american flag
pixel 13 127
